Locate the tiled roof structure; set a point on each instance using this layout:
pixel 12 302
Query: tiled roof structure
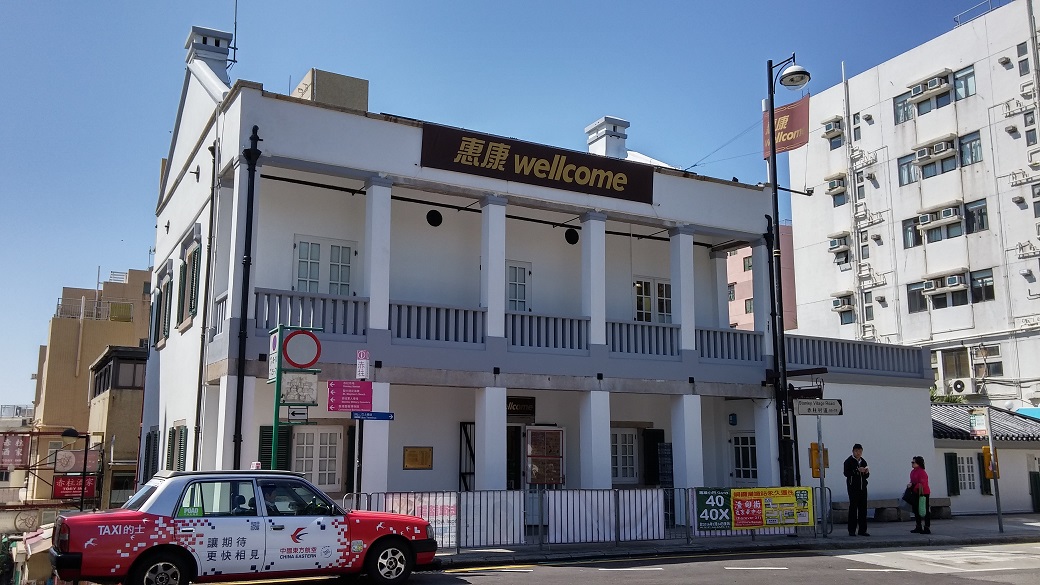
pixel 951 421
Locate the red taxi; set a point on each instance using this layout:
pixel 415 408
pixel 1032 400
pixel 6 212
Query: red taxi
pixel 215 526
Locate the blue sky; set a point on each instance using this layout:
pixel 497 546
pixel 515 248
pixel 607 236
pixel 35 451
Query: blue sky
pixel 91 89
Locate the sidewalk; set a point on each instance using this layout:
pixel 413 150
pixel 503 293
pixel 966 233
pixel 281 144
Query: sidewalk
pixel 960 530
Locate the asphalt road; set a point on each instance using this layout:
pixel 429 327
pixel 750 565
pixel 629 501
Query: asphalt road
pixel 1014 564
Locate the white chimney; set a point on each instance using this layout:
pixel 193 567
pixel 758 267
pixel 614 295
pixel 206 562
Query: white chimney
pixel 607 137
pixel 210 47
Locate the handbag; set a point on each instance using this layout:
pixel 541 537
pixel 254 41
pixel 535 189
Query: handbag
pixel 910 497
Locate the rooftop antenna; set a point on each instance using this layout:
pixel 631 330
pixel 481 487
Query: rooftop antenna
pixel 234 41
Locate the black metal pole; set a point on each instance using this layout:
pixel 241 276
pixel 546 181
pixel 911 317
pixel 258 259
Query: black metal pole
pixel 251 154
pixel 779 342
pixel 83 479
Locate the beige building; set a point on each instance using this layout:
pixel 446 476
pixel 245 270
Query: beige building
pixel 116 398
pixel 740 269
pixel 85 323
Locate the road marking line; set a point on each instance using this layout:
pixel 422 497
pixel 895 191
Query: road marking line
pixel 881 570
pixel 635 569
pixel 756 568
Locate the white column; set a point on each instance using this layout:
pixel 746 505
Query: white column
pixel 687 441
pixel 594 274
pixel 493 263
pixel 765 441
pixel 490 440
pixel 762 294
pixel 594 440
pixel 683 309
pixel 377 252
pixel 224 423
pixel 720 262
pixel 376 449
pixel 237 245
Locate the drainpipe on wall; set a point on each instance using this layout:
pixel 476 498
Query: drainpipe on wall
pixel 251 154
pixel 204 329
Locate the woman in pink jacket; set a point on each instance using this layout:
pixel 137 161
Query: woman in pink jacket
pixel 919 484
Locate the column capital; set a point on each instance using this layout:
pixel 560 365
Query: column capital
pixel 593 216
pixel 379 181
pixel 492 199
pixel 682 230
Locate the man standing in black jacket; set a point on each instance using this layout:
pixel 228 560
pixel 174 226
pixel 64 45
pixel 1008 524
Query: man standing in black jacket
pixel 856 474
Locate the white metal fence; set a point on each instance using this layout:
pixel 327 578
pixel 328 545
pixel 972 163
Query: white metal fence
pixel 544 517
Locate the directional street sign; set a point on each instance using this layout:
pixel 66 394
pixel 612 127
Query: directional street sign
pixel 356 415
pixel 297 413
pixel 826 406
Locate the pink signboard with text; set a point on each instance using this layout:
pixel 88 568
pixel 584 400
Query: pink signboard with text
pixel 70 486
pixel 14 451
pixel 350 396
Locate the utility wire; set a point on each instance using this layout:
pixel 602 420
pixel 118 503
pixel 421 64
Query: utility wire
pixel 728 142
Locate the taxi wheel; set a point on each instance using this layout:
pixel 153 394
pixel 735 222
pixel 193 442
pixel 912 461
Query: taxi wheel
pixel 161 568
pixel 389 562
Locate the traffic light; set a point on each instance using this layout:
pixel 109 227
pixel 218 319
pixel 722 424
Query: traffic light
pixel 814 459
pixel 992 467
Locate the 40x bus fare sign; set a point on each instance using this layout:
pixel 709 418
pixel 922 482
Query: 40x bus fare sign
pixel 750 508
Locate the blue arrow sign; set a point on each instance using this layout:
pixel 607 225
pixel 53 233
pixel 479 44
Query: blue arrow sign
pixel 366 415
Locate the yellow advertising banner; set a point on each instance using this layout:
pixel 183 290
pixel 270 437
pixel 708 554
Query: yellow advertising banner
pixel 772 507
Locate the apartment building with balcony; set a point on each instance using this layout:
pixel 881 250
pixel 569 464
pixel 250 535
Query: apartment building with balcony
pixel 85 323
pixel 928 233
pixel 532 315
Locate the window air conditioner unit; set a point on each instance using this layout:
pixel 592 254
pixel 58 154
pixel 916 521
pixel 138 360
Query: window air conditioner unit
pixel 1004 60
pixel 834 244
pixel 841 304
pixel 929 285
pixel 936 82
pixel 950 212
pixel 924 219
pixel 924 154
pixel 1011 129
pixel 869 176
pixel 954 280
pixel 834 126
pixel 835 184
pixel 962 386
pixel 941 147
pixel 867 117
pixel 917 90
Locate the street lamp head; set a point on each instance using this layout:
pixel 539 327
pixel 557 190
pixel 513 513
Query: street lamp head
pixel 69 436
pixel 794 77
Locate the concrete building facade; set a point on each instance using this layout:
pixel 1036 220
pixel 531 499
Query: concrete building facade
pixel 533 316
pixel 926 233
pixel 741 290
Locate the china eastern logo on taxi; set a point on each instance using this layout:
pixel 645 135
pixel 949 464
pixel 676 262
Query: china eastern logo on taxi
pixel 513 160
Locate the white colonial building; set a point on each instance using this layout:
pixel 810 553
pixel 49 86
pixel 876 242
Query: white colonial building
pixel 533 315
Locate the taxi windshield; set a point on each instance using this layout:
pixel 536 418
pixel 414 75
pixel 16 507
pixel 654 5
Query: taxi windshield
pixel 138 499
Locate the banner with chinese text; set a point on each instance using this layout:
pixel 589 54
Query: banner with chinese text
pixel 792 127
pixel 722 509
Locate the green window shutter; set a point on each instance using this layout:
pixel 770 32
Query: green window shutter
pixel 145 459
pixel 157 318
pixel 953 486
pixel 171 439
pixel 182 448
pixel 984 484
pixel 284 446
pixel 167 307
pixel 193 299
pixel 154 463
pixel 182 288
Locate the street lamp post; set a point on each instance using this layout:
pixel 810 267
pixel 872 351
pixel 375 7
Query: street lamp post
pixel 794 77
pixel 69 436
